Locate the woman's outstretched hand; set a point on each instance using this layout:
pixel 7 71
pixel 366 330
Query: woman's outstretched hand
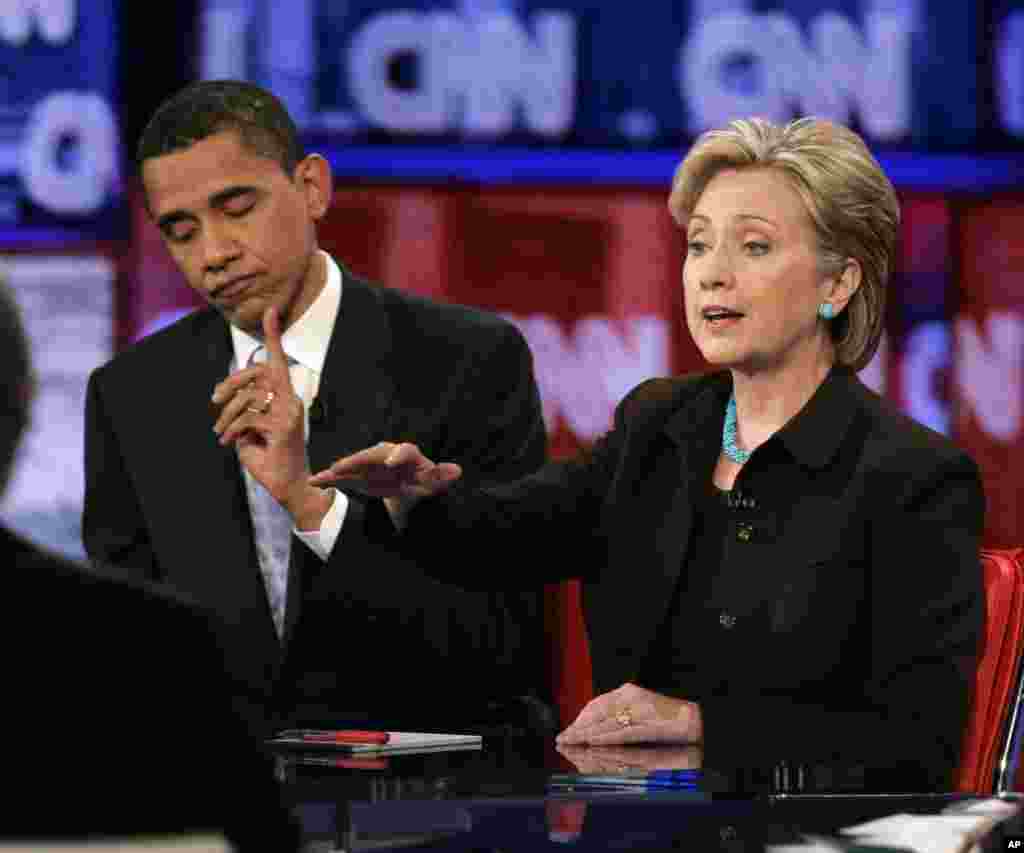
pixel 399 473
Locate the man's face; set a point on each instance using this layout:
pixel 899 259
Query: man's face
pixel 240 229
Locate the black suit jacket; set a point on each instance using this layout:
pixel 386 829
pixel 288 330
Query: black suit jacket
pixel 846 613
pixel 118 714
pixel 368 629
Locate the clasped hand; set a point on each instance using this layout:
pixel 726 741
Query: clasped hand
pixel 632 714
pixel 262 416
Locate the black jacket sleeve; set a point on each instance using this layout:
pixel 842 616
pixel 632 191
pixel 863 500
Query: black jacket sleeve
pixel 492 425
pixel 113 527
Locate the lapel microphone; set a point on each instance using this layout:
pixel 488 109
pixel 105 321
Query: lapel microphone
pixel 317 411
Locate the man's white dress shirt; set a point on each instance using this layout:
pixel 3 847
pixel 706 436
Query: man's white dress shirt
pixel 305 343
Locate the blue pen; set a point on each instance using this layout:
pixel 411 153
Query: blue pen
pixel 673 775
pixel 655 780
pixel 626 791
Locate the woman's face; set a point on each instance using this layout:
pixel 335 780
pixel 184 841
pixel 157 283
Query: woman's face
pixel 751 280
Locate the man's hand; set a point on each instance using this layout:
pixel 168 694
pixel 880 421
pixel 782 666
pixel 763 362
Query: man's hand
pixel 263 417
pixel 399 473
pixel 633 714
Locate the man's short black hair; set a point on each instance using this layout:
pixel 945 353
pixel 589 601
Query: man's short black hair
pixel 213 106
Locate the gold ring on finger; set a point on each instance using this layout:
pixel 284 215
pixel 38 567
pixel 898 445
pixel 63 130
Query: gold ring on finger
pixel 624 718
pixel 262 410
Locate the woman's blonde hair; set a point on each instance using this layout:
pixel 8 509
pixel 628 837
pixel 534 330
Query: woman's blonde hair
pixel 850 200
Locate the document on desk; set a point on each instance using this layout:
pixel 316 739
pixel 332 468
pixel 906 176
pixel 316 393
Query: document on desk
pixel 373 743
pixel 958 829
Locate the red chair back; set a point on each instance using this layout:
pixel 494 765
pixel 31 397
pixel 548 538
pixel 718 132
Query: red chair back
pixel 996 680
pixel 569 676
pixel 995 690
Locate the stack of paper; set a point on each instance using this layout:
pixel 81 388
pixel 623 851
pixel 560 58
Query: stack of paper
pixel 395 743
pixel 957 830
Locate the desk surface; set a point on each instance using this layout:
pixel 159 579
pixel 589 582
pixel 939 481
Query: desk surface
pixel 499 798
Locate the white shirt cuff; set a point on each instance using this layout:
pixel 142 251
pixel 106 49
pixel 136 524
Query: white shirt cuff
pixel 321 542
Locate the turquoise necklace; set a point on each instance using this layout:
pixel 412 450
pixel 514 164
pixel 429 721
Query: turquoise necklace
pixel 729 434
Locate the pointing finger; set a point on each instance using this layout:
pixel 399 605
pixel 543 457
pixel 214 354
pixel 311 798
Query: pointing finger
pixel 445 472
pixel 272 339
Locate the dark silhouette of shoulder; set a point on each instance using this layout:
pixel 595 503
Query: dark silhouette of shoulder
pixel 123 715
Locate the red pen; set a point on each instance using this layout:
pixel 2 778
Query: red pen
pixel 341 736
pixel 344 763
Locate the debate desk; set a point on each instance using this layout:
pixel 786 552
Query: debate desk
pixel 526 794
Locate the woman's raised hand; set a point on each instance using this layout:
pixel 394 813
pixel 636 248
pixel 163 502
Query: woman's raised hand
pixel 396 471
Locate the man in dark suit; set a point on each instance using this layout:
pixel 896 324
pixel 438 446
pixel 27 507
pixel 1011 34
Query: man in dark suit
pixel 118 716
pixel 212 495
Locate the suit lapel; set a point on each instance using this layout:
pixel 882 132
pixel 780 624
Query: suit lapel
pixel 356 388
pixel 689 444
pixel 356 393
pixel 228 574
pixel 695 431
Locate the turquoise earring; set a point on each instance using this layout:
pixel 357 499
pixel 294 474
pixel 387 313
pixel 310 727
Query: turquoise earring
pixel 826 311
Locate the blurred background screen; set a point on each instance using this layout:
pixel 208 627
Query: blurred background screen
pixel 517 155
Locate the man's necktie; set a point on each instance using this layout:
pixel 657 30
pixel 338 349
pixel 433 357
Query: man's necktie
pixel 272 526
pixel 272 529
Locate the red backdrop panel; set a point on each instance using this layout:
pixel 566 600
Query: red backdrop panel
pixel 989 363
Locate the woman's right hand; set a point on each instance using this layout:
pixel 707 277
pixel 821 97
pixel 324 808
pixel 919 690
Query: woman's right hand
pixel 399 473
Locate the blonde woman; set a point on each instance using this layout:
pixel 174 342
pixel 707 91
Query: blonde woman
pixel 770 553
